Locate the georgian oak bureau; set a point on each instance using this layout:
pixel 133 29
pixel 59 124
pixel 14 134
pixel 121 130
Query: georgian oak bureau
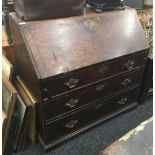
pixel 83 70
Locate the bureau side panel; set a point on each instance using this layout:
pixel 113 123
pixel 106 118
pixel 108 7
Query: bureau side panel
pixel 25 68
pixel 147 82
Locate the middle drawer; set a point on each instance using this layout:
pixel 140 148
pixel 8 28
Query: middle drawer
pixel 90 94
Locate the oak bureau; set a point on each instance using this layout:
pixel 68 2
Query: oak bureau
pixel 82 70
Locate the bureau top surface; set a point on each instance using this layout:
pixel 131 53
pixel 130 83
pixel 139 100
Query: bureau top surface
pixel 59 46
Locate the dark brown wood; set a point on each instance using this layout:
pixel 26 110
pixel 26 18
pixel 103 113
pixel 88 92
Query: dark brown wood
pixel 93 93
pixel 24 67
pixel 41 9
pixel 79 42
pixel 62 46
pixel 71 65
pixel 48 146
pixel 92 74
pixel 77 120
pixel 147 83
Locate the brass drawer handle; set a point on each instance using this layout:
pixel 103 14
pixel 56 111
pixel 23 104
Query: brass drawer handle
pixel 72 83
pixel 103 69
pixel 129 64
pixel 100 87
pixel 122 101
pixel 126 82
pixel 71 124
pixel 72 103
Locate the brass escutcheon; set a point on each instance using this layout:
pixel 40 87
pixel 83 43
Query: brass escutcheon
pixel 72 103
pixel 126 82
pixel 72 83
pixel 129 64
pixel 122 101
pixel 71 124
pixel 91 24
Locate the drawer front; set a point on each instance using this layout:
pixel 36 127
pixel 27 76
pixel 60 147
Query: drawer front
pixel 92 74
pixel 90 94
pixel 90 114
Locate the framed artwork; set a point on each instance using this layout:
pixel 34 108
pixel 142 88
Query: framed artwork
pixel 31 102
pixel 9 95
pixel 21 108
pixel 7 68
pixel 25 105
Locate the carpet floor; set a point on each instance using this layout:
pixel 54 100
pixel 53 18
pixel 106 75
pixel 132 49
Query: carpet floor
pixel 99 137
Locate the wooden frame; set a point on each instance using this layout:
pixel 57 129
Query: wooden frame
pixel 4 117
pixel 9 95
pixel 7 67
pixel 25 105
pixel 22 109
pixel 29 98
pixel 27 91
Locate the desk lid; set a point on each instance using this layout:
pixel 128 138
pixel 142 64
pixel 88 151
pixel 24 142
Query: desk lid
pixel 59 46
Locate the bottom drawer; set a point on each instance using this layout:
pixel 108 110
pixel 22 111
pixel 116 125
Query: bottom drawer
pixel 90 114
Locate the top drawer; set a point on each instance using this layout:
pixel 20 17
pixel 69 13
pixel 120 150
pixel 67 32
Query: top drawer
pixel 55 86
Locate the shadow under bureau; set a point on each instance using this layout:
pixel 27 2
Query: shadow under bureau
pixel 82 70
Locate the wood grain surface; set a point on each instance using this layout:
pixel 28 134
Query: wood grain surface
pixel 64 45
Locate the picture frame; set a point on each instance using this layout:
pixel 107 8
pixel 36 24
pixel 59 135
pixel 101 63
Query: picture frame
pixel 9 95
pixel 4 117
pixel 31 103
pixel 7 67
pixel 21 108
pixel 20 82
